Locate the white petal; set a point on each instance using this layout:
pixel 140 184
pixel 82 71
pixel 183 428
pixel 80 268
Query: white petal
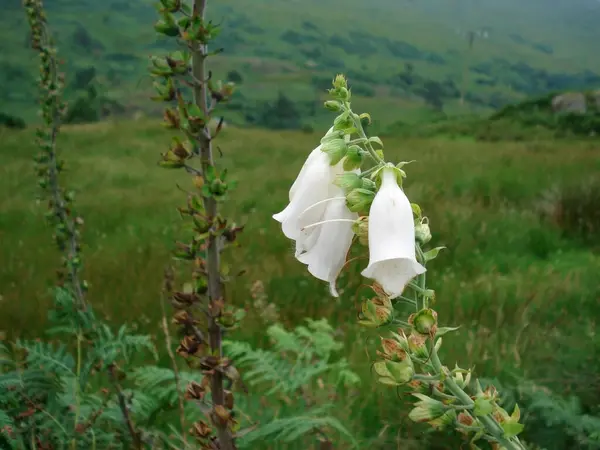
pixel 314 187
pixel 392 259
pixel 328 254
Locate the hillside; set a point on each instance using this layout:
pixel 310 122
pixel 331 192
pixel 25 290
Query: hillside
pixel 402 57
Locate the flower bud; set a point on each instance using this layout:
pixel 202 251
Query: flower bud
pixel 445 420
pixel 361 229
pixel 424 322
pixel 359 199
pixel 336 149
pixel 427 409
pixel 392 350
pixel 416 344
pixel 422 232
pixel 333 105
pixel 394 373
pixel 340 82
pixel 376 312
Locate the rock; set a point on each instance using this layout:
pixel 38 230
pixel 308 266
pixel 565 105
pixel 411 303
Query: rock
pixel 570 102
pixel 595 97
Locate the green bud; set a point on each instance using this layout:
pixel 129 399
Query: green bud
pixel 336 149
pixel 394 373
pixel 343 121
pixel 376 312
pixel 340 82
pixel 359 200
pixel 427 409
pixel 361 229
pixel 353 158
pixel 424 322
pixel 348 181
pixel 168 29
pixel 444 421
pixel 422 231
pixel 333 105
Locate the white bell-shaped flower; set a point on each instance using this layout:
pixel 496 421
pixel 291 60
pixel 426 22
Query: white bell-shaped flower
pixel 306 200
pixel 392 260
pixel 326 249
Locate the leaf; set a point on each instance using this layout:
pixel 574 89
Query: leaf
pixel 483 407
pixel 366 116
pixel 432 254
pixel 417 210
pixel 376 140
pixel 511 429
pixel 443 330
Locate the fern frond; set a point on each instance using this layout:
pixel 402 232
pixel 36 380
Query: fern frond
pixel 290 429
pixel 48 357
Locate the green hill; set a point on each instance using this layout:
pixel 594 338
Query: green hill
pixel 403 58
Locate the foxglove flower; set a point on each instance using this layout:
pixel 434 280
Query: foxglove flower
pixel 317 217
pixel 392 260
pixel 326 253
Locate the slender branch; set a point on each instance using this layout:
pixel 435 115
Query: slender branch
pixel 137 442
pixel 201 98
pixel 52 111
pixel 168 344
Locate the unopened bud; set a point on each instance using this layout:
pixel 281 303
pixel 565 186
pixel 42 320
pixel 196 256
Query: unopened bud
pixel 394 373
pixel 361 229
pixel 424 322
pixel 333 105
pixel 427 409
pixel 422 232
pixel 376 312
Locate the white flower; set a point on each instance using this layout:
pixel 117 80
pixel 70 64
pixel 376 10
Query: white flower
pixel 326 253
pixel 312 186
pixel 392 261
pixel 317 218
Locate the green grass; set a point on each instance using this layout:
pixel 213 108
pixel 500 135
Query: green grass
pixel 525 295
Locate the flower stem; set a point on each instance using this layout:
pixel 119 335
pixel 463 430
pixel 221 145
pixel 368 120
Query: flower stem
pixel 490 424
pixel 362 135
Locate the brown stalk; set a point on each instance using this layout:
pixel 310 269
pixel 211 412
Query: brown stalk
pixel 201 98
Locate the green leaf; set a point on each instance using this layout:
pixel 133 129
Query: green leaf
pixel 432 254
pixel 376 140
pixel 443 330
pixel 417 210
pixel 483 407
pixel 366 116
pixel 511 429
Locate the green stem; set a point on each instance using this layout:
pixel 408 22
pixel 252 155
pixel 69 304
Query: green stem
pixel 363 135
pixel 490 424
pixel 370 171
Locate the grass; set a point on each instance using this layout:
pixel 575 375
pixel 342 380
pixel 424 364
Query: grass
pixel 525 295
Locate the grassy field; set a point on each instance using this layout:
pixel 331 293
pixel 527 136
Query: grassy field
pixel 525 292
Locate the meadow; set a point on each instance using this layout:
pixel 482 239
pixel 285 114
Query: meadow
pixel 521 279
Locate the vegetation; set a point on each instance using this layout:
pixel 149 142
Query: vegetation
pixel 300 47
pixel 518 214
